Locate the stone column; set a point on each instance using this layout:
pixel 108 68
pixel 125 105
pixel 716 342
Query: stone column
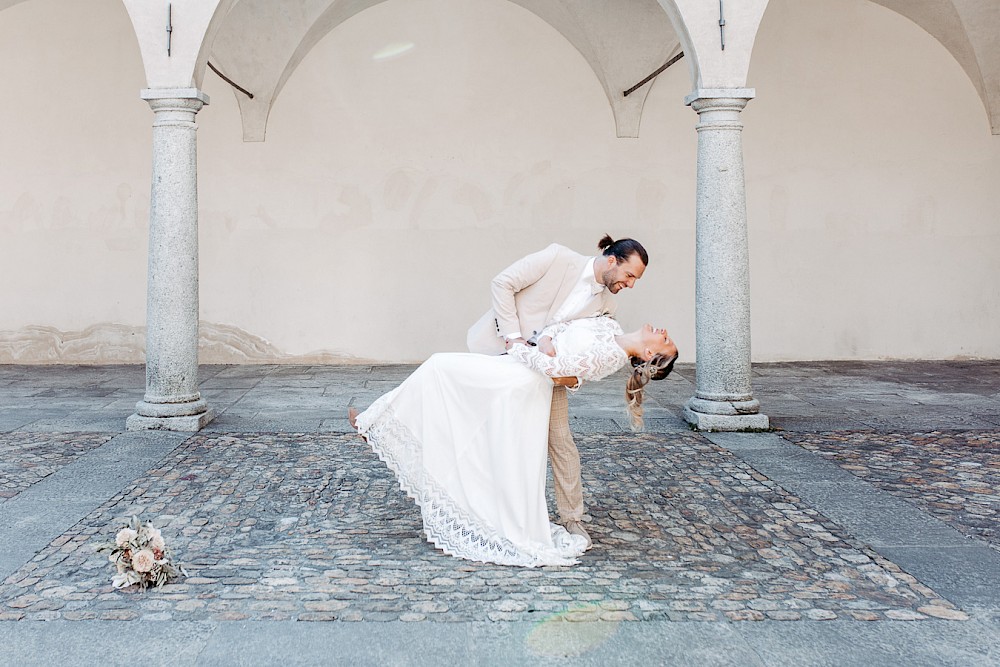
pixel 172 400
pixel 723 399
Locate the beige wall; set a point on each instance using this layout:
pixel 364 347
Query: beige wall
pixel 390 191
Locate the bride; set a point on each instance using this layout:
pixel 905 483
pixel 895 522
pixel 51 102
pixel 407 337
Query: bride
pixel 466 435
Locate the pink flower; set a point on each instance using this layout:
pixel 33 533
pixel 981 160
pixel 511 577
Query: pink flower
pixel 143 560
pixel 156 540
pixel 124 536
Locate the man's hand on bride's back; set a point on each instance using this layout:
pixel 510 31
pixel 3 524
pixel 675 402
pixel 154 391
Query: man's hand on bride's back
pixel 545 346
pixel 511 342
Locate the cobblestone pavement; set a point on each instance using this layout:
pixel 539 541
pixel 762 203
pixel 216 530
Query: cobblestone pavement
pixel 30 457
pixel 313 527
pixel 955 476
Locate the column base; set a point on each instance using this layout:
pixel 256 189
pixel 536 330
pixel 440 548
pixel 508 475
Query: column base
pixel 707 415
pixel 704 422
pixel 188 423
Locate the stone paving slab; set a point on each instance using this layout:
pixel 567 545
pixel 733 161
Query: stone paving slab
pixel 550 642
pixel 16 419
pixel 934 644
pixel 969 573
pixel 954 476
pixel 314 527
pixel 28 458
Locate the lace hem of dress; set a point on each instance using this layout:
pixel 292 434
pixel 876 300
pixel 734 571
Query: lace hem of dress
pixel 449 527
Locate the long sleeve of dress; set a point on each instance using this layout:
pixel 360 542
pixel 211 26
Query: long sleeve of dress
pixel 584 348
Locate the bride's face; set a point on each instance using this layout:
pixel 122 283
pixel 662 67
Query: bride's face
pixel 656 341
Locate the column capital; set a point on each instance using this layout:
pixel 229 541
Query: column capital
pixel 149 94
pixel 174 107
pixel 745 94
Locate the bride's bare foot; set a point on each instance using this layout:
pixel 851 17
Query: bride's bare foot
pixel 352 417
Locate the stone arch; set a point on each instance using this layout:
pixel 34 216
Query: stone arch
pixel 197 22
pixel 717 59
pixel 621 48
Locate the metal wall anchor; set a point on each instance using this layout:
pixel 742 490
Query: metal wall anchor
pixel 722 26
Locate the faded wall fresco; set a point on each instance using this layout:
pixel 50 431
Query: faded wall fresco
pixel 118 344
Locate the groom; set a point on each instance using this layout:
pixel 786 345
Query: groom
pixel 546 287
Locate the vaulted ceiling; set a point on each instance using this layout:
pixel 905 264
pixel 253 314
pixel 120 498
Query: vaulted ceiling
pixel 261 42
pixel 970 30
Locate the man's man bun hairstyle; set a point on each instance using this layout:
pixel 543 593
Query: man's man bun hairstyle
pixel 622 249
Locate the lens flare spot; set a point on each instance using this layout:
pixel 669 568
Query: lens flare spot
pixel 570 633
pixel 393 50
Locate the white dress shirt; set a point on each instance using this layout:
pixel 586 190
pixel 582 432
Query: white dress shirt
pixel 585 289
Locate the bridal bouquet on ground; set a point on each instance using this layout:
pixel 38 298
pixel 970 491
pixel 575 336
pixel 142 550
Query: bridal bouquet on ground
pixel 140 556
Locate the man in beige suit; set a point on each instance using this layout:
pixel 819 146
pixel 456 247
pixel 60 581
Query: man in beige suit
pixel 544 288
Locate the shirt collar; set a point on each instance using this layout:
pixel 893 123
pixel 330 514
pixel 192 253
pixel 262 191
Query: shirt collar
pixel 595 287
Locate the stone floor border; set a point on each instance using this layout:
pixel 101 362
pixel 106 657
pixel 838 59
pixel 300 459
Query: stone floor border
pixel 962 569
pixel 34 517
pixel 776 644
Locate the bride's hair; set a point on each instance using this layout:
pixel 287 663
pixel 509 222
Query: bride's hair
pixel 643 372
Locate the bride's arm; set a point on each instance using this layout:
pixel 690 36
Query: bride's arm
pixel 590 326
pixel 601 360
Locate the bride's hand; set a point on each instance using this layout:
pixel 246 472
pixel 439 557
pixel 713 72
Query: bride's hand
pixel 545 346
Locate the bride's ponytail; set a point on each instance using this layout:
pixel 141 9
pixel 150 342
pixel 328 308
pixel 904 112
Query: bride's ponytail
pixel 643 372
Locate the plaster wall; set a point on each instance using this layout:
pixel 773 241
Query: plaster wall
pixel 397 180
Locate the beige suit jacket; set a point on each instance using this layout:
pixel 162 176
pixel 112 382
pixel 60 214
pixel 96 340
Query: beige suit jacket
pixel 527 295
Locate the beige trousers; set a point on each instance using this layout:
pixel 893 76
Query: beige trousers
pixel 565 460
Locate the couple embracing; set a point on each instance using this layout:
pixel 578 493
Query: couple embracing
pixel 467 433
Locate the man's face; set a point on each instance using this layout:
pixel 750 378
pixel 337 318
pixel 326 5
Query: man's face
pixel 616 275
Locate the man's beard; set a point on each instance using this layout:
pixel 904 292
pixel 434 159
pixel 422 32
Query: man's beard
pixel 608 279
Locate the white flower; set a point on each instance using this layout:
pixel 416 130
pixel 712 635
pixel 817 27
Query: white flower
pixel 126 579
pixel 143 560
pixel 124 536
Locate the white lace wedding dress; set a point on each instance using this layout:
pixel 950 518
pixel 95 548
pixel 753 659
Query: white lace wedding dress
pixel 467 437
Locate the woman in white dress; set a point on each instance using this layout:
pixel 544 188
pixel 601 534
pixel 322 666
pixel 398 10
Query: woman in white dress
pixel 466 435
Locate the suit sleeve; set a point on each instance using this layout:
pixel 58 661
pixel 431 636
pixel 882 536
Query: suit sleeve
pixel 522 273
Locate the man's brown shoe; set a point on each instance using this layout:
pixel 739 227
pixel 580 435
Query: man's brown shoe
pixel 576 528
